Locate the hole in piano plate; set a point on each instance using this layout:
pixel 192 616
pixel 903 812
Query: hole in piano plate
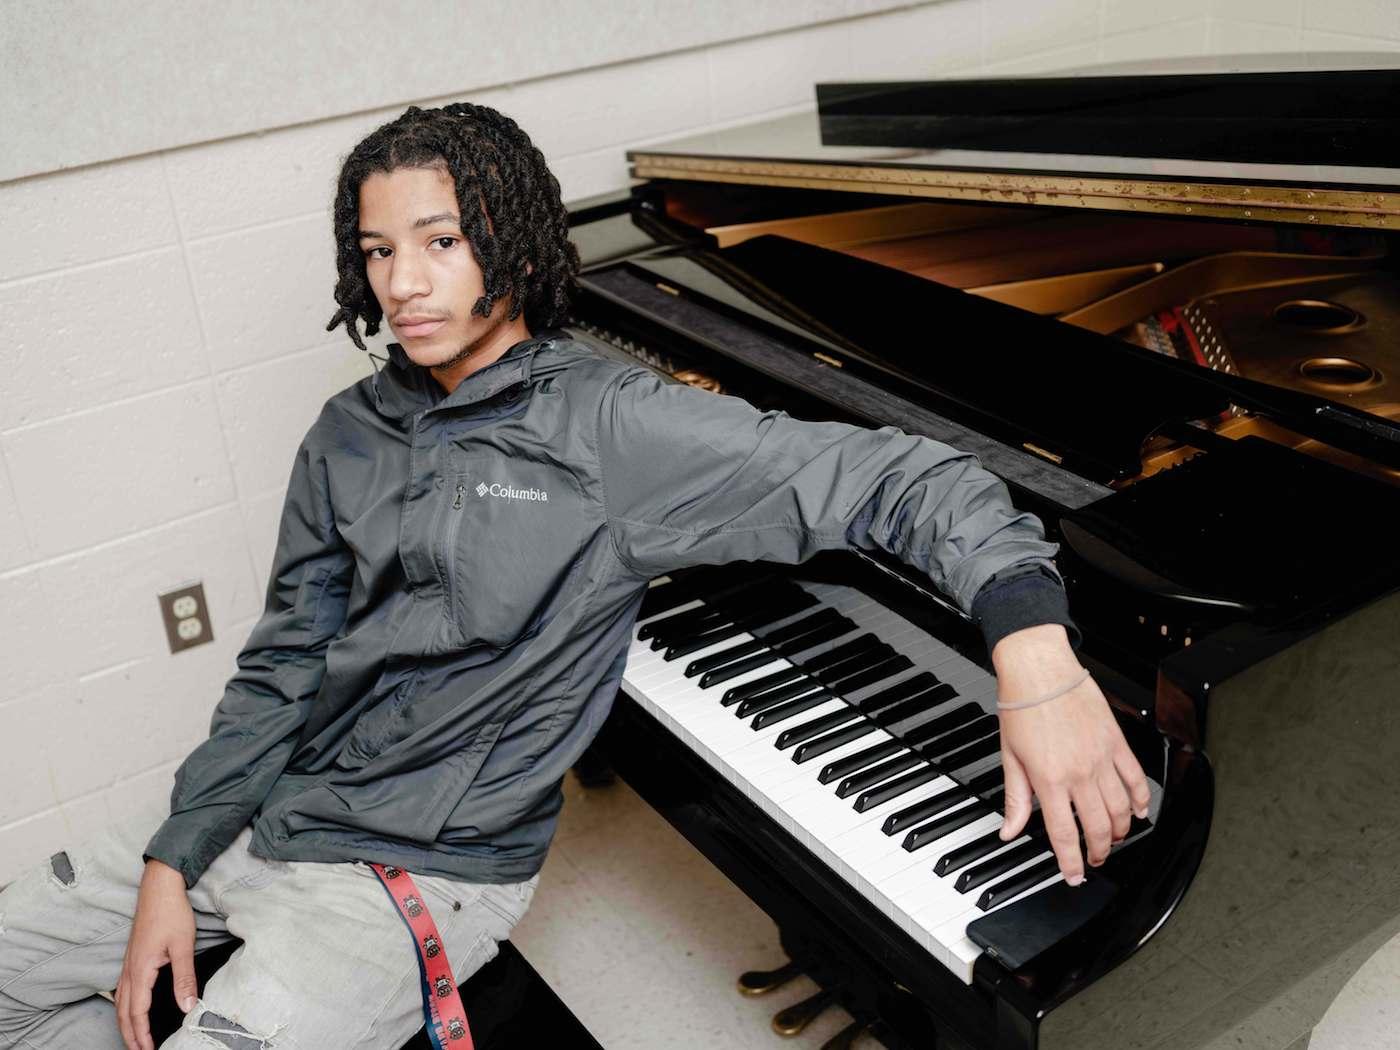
pixel 1337 372
pixel 1319 315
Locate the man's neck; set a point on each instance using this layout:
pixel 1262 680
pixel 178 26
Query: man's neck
pixel 485 351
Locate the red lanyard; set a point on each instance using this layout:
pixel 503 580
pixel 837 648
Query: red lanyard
pixel 443 1015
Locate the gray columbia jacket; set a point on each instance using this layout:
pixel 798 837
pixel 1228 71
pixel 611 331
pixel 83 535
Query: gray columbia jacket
pixel 455 576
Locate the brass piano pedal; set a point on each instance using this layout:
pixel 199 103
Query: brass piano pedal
pixel 761 982
pixel 799 1015
pixel 843 1039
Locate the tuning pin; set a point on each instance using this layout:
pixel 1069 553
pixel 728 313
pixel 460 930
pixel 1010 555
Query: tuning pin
pixel 843 1039
pixel 799 1015
pixel 761 982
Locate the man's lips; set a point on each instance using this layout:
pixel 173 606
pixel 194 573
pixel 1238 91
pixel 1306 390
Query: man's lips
pixel 416 329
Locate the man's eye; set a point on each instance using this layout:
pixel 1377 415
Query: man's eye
pixel 438 240
pixel 370 254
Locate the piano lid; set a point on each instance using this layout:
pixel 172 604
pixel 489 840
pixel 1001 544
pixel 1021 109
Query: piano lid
pixel 1218 150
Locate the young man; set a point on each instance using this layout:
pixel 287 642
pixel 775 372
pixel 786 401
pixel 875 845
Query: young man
pixel 466 539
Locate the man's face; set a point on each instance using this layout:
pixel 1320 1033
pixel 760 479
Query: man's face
pixel 422 269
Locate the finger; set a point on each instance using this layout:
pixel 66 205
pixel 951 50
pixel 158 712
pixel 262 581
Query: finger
pixel 1093 818
pixel 123 1015
pixel 141 1010
pixel 1063 834
pixel 1017 799
pixel 182 973
pixel 1120 811
pixel 1130 770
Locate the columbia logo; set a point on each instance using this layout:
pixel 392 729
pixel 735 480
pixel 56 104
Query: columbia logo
pixel 511 492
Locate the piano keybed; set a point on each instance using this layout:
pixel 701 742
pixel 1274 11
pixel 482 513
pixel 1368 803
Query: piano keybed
pixel 866 738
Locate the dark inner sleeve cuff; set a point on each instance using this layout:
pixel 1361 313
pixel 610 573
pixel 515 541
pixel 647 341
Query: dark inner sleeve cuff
pixel 1019 600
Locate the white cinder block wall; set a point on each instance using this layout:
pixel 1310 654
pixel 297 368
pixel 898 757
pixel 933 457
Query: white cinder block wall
pixel 162 343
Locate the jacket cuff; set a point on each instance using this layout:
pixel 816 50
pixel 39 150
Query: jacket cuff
pixel 1018 597
pixel 185 845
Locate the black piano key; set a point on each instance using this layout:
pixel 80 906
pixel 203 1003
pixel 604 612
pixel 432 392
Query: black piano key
pixel 889 712
pixel 771 699
pixel 867 676
pixel 784 711
pixel 945 743
pixel 943 723
pixel 855 647
pixel 999 865
pixel 934 830
pixel 965 756
pixel 859 760
pixel 769 640
pixel 941 802
pixel 735 669
pixel 815 727
pixel 989 843
pixel 815 748
pixel 894 788
pixel 714 601
pixel 663 596
pixel 708 623
pixel 970 852
pixel 919 684
pixel 875 774
pixel 1018 883
pixel 752 622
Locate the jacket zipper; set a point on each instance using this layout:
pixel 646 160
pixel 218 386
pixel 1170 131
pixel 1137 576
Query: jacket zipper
pixel 449 567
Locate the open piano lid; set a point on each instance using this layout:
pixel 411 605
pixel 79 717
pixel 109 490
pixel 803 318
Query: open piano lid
pixel 990 140
pixel 845 304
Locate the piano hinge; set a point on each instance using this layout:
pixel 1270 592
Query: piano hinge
pixel 827 360
pixel 1042 452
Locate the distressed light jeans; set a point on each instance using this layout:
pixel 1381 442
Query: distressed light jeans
pixel 326 960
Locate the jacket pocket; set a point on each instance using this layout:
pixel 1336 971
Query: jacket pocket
pixel 514 531
pixel 404 794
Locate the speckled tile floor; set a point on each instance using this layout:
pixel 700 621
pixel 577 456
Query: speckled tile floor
pixel 643 939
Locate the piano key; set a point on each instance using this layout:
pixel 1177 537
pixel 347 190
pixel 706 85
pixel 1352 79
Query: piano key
pixel 774 655
pixel 1013 857
pixel 815 727
pixel 766 639
pixel 712 603
pixel 895 788
pixel 941 803
pixel 940 827
pixel 792 708
pixel 799 667
pixel 966 756
pixel 970 853
pixel 752 618
pixel 949 721
pixel 1019 882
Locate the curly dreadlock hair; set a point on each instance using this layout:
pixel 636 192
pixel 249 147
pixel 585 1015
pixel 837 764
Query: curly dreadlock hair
pixel 492 161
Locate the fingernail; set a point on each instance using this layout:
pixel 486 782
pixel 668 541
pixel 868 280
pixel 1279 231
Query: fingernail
pixel 188 1004
pixel 1142 813
pixel 1075 880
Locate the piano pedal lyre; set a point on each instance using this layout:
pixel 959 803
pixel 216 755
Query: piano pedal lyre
pixel 844 1039
pixel 761 982
pixel 792 1020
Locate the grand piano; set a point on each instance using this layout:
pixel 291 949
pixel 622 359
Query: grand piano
pixel 1164 310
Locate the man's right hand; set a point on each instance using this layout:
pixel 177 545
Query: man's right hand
pixel 161 932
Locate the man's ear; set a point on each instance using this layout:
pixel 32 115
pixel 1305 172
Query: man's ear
pixel 529 268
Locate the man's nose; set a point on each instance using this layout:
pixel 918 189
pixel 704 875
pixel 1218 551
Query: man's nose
pixel 408 278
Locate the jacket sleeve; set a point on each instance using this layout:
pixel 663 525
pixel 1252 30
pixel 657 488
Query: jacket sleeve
pixel 255 725
pixel 695 478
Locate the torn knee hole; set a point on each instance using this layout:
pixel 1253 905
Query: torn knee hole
pixel 62 868
pixel 227 1032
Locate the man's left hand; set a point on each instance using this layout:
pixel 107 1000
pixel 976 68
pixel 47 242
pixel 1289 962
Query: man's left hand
pixel 1068 752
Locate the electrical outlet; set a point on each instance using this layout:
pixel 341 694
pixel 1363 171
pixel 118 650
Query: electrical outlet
pixel 186 616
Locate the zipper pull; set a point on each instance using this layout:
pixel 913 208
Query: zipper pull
pixel 461 488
